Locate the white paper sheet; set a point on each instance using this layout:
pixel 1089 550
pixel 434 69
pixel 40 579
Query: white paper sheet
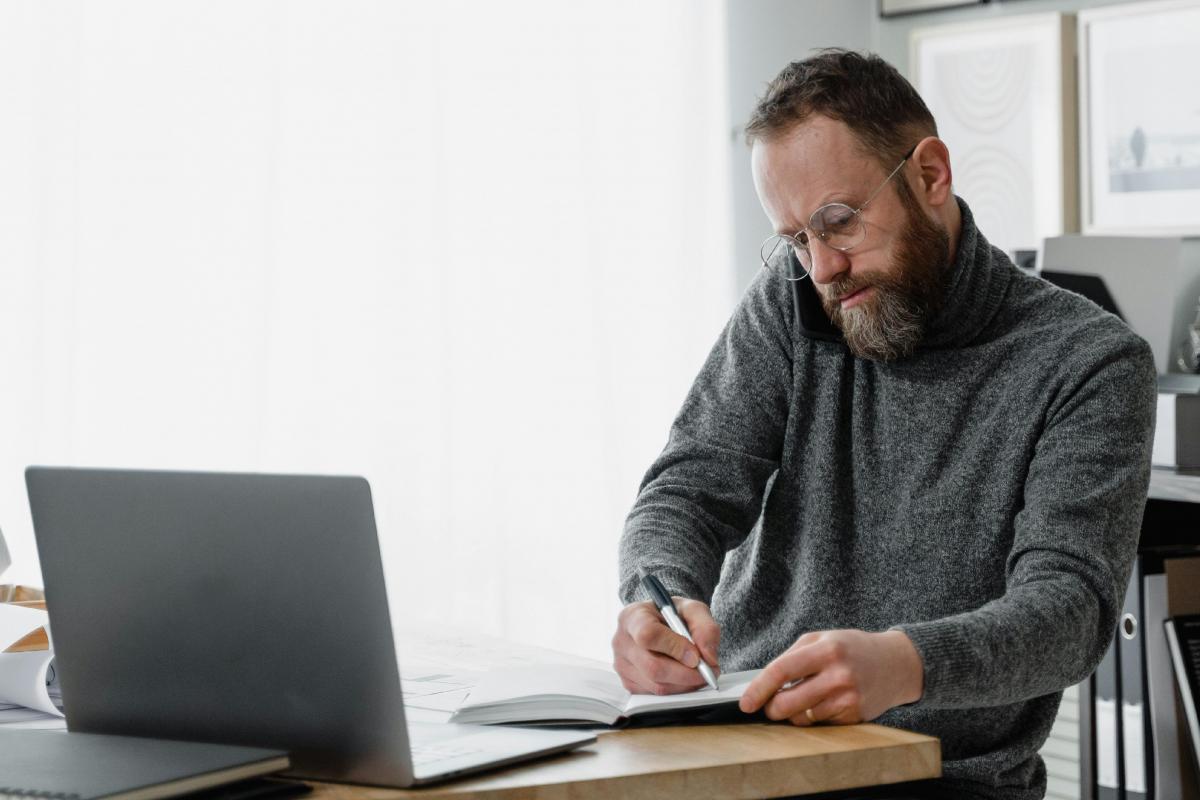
pixel 441 665
pixel 23 679
pixel 421 687
pixel 44 722
pixel 437 691
pixel 26 718
pixel 732 685
pixel 550 681
pixel 17 622
pixel 446 701
pixel 425 715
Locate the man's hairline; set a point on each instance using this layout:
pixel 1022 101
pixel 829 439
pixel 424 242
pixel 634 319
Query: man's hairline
pixel 781 132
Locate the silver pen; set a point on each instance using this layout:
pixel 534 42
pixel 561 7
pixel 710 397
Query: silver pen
pixel 666 607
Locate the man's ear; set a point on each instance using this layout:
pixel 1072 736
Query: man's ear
pixel 935 180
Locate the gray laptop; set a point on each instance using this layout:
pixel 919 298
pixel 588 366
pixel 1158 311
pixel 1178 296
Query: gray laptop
pixel 243 609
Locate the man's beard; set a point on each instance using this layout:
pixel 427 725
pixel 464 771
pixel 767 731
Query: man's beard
pixel 891 323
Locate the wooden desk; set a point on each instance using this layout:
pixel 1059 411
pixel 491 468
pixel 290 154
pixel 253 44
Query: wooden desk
pixel 689 763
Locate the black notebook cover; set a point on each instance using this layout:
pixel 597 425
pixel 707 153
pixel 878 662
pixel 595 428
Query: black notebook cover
pixel 86 766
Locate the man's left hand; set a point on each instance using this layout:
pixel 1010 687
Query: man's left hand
pixel 839 677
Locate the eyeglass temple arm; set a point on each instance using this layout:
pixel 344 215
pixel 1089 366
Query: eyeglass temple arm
pixel 891 175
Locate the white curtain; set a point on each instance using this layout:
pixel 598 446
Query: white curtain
pixel 474 251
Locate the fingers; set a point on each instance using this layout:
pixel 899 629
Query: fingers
pixel 704 629
pixel 793 702
pixel 824 688
pixel 637 677
pixel 664 675
pixel 836 709
pixel 649 657
pixel 630 676
pixel 798 663
pixel 840 676
pixel 808 638
pixel 649 632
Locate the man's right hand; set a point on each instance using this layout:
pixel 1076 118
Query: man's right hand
pixel 653 659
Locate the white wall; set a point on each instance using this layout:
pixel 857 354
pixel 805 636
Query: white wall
pixel 765 36
pixel 891 34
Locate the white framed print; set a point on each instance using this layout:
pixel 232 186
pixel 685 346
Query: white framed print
pixel 1002 92
pixel 895 8
pixel 1139 107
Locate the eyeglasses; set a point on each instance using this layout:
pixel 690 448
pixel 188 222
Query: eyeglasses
pixel 837 225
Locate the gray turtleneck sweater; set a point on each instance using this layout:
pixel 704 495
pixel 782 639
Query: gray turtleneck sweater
pixel 983 495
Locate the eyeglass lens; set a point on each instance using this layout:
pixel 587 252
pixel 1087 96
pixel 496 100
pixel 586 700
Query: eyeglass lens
pixel 837 225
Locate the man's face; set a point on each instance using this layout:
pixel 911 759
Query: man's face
pixel 883 292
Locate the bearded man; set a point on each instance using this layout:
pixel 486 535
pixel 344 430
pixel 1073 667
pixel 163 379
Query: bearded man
pixel 909 478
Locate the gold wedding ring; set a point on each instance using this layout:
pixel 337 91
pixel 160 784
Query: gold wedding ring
pixel 811 718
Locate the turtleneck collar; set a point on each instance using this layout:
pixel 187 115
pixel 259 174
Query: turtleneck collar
pixel 973 296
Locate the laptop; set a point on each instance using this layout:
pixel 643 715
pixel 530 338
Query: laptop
pixel 242 609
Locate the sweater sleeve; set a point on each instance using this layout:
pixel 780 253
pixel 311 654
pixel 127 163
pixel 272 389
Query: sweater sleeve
pixel 703 494
pixel 1073 548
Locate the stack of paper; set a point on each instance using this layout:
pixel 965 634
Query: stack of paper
pixel 29 695
pixel 24 676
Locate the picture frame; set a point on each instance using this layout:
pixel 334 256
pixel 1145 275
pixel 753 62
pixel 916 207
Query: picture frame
pixel 1139 119
pixel 1003 94
pixel 899 8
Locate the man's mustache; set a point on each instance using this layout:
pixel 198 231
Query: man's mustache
pixel 844 288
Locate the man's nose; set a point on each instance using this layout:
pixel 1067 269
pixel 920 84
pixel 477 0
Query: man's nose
pixel 828 263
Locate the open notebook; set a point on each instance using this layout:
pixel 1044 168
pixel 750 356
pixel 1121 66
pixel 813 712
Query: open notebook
pixel 562 694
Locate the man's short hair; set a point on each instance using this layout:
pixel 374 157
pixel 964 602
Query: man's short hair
pixel 862 91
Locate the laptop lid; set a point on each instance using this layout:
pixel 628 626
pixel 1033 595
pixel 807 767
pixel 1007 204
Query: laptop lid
pixel 236 608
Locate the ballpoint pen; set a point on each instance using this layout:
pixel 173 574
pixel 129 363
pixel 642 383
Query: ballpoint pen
pixel 666 607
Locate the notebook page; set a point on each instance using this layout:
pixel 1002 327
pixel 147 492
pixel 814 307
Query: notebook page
pixel 523 683
pixel 730 688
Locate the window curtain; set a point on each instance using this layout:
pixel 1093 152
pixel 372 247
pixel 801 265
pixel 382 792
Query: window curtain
pixel 474 251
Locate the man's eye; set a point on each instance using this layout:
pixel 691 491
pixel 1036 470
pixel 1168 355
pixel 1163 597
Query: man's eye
pixel 837 220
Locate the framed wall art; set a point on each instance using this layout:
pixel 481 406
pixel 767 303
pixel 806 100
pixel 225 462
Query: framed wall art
pixel 1003 94
pixel 1139 108
pixel 895 8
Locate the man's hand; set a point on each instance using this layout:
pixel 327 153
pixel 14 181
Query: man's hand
pixel 838 677
pixel 653 659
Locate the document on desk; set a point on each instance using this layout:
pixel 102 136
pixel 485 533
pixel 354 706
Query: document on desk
pixel 24 676
pixel 20 718
pixel 436 691
pixel 25 680
pixel 17 622
pixel 570 694
pixel 439 667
